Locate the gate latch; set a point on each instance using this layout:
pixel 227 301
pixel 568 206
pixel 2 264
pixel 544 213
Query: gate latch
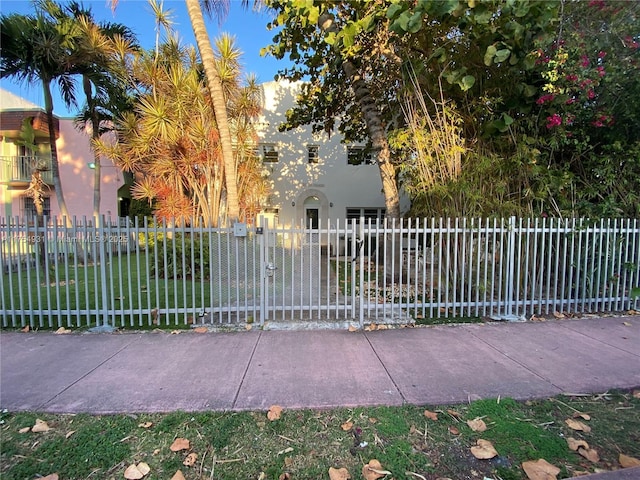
pixel 270 268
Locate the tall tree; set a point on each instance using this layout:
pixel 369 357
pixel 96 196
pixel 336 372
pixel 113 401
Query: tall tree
pixel 218 100
pixel 100 59
pixel 343 74
pixel 171 140
pixel 36 49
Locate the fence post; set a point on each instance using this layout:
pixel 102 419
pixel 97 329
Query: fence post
pixel 102 238
pixel 262 234
pixel 509 314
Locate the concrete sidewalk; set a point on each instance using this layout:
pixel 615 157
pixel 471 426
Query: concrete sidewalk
pixel 151 372
pixel 160 372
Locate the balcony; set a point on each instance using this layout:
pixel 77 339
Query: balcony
pixel 15 171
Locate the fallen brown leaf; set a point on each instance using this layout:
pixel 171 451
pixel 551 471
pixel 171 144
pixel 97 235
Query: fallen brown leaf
pixel 25 329
pixel 284 476
pixel 590 454
pixel 180 444
pixel 636 394
pixel 53 476
pixel 454 431
pixel 540 470
pixel 288 462
pixel 577 425
pixel 136 472
pixel 248 327
pixel 626 324
pixel 432 415
pixel 178 476
pixel 339 474
pixel 373 420
pixel 576 444
pixel 62 331
pixel 145 425
pixel 24 430
pixel 191 459
pixel 346 426
pixel 627 461
pixel 477 425
pixel 484 450
pixel 40 426
pixel 373 470
pixel 558 314
pixel 274 413
pixel 201 330
pixel 352 329
pixel 581 415
pixel 71 432
pixel 454 414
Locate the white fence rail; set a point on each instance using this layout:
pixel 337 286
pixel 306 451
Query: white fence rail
pixel 149 274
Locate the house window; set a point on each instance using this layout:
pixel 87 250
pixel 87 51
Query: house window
pixel 312 154
pixel 357 155
pixel 268 152
pixel 375 214
pixel 29 207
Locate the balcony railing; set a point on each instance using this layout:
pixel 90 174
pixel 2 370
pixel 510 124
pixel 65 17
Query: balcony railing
pixel 17 169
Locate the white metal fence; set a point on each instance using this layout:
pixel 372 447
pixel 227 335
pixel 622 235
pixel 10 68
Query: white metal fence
pixel 151 273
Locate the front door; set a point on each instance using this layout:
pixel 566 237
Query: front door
pixel 312 218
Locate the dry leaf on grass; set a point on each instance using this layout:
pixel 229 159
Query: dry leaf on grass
pixel 71 432
pixel 577 425
pixel 628 462
pixel 477 425
pixel 40 426
pixel 62 331
pixel 136 472
pixel 454 431
pixel 484 450
pixel 346 426
pixel 274 413
pixel 339 474
pixel 24 430
pixel 373 470
pixel 581 415
pixel 178 476
pixel 25 329
pixel 636 394
pixel 432 415
pixel 455 414
pixel 285 476
pixel 540 470
pixel 53 476
pixel 558 314
pixel 180 444
pixel 576 444
pixel 191 459
pixel 145 425
pixel 201 330
pixel 590 454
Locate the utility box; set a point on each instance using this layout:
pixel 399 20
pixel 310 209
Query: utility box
pixel 240 229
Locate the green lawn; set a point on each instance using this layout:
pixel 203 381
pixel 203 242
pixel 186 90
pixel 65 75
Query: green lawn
pixel 81 288
pixel 304 444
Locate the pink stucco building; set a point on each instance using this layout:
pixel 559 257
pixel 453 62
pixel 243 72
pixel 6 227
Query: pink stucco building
pixel 75 160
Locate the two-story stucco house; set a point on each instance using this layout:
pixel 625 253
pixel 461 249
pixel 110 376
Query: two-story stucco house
pixel 315 177
pixel 75 160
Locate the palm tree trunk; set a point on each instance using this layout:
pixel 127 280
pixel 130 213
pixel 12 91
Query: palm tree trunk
pixel 219 106
pixel 55 169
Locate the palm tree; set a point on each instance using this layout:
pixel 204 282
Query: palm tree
pixel 99 58
pixel 34 49
pixel 172 140
pixel 217 98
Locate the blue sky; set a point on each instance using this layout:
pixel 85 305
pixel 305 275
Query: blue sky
pixel 247 26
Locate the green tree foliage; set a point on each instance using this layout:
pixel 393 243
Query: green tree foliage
pixel 492 108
